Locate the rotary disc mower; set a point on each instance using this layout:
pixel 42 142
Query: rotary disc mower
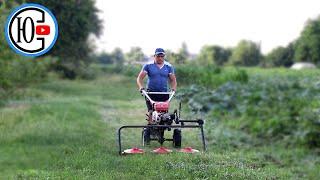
pixel 162 121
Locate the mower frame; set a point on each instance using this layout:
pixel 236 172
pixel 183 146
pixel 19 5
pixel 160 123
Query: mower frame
pixel 200 126
pixel 179 123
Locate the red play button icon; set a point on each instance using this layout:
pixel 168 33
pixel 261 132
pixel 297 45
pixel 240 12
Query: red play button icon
pixel 42 30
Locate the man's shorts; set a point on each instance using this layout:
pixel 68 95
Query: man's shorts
pixel 156 97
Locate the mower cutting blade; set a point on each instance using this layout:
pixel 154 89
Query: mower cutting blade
pixel 134 150
pixel 162 150
pixel 188 150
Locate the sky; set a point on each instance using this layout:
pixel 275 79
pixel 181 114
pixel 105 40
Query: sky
pixel 150 24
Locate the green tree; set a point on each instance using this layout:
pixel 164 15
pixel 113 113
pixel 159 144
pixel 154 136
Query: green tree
pixel 178 58
pixel 213 55
pixel 135 54
pixel 16 70
pixel 183 54
pixel 246 53
pixel 104 58
pixel 170 56
pixel 280 56
pixel 308 44
pixel 9 4
pixel 5 51
pixel 117 56
pixel 77 19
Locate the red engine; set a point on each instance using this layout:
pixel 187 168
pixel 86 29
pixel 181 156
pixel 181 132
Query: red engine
pixel 161 106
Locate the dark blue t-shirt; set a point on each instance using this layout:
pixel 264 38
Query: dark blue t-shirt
pixel 158 77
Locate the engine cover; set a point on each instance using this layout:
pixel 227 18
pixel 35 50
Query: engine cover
pixel 161 106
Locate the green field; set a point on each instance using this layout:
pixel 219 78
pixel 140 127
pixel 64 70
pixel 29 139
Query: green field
pixel 64 129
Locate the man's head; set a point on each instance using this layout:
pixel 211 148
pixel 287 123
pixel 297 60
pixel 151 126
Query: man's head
pixel 159 55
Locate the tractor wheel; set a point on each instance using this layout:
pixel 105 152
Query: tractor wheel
pixel 145 136
pixel 177 138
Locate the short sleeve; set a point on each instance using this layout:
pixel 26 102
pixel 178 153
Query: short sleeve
pixel 145 68
pixel 171 70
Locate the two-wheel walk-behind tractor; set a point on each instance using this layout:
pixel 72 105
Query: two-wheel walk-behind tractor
pixel 162 121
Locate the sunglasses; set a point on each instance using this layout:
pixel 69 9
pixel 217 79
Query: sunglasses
pixel 160 56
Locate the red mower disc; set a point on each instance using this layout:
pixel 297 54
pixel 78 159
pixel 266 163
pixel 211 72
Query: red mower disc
pixel 134 150
pixel 162 150
pixel 188 150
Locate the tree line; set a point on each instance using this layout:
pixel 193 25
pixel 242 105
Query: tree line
pixel 73 52
pixel 306 48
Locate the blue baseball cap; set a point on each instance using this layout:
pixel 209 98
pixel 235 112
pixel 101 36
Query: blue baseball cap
pixel 159 51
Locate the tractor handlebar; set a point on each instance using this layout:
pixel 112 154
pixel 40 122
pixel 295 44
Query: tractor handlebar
pixel 146 94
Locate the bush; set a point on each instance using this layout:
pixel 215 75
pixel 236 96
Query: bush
pixel 210 76
pixel 271 108
pixel 127 70
pixel 18 73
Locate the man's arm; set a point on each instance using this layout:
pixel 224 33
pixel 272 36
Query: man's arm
pixel 140 78
pixel 173 81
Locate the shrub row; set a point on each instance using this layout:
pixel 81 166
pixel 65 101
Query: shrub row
pixel 283 108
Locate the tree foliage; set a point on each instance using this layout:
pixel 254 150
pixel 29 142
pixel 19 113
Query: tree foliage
pixel 77 19
pixel 115 57
pixel 9 4
pixel 135 54
pixel 213 55
pixel 280 56
pixel 15 70
pixel 181 57
pixel 308 44
pixel 183 54
pixel 246 53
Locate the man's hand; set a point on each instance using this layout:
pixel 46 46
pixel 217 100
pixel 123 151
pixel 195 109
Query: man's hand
pixel 141 90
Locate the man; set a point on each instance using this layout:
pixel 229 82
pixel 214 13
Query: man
pixel 159 73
